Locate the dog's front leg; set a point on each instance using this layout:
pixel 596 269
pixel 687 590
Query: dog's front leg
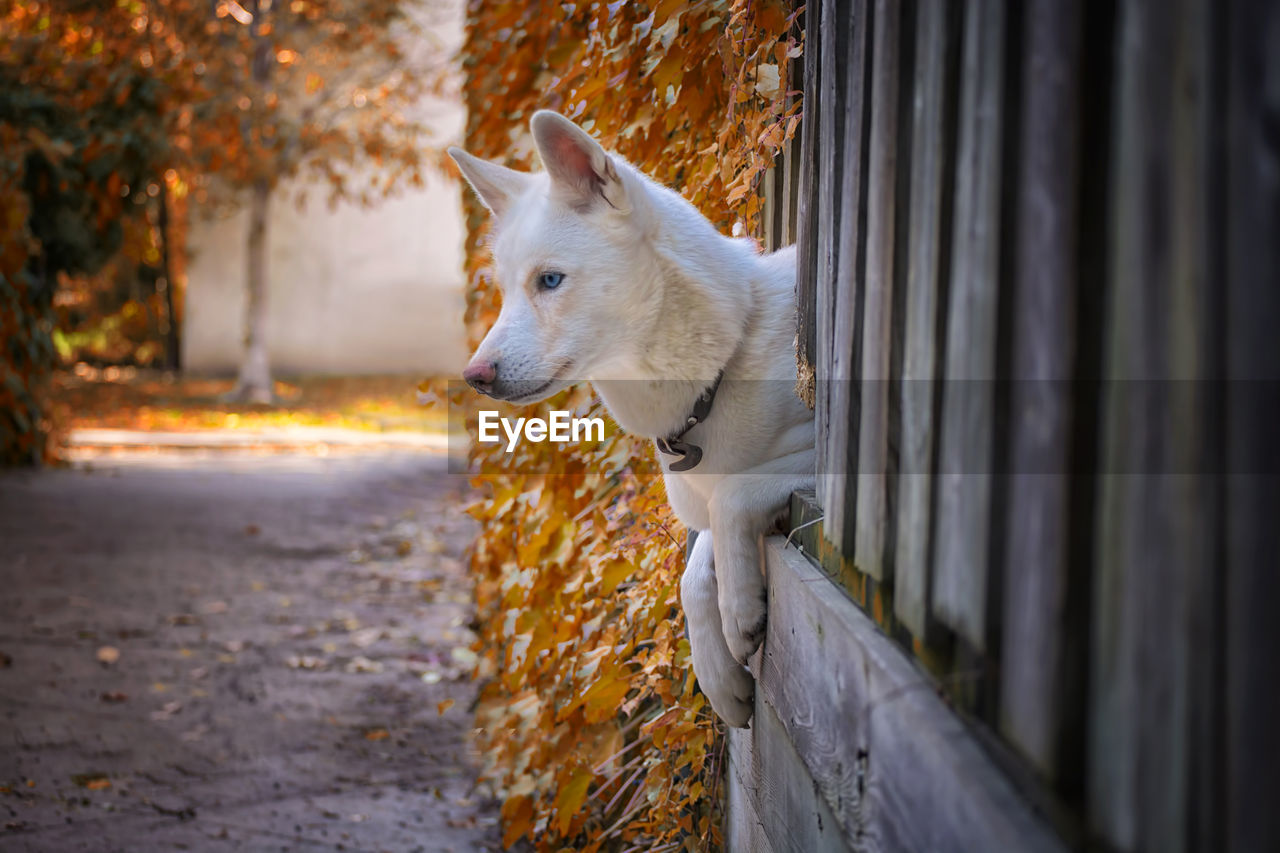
pixel 727 683
pixel 743 507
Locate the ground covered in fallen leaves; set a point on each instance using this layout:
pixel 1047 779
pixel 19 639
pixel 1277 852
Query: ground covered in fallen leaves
pixel 128 398
pixel 237 652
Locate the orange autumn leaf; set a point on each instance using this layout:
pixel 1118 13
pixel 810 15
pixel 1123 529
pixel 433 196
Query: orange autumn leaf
pixel 571 797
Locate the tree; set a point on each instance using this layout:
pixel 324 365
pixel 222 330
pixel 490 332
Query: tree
pixel 86 125
pixel 106 106
pixel 307 88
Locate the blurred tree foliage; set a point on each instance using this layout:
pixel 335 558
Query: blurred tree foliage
pixel 109 109
pixel 593 731
pixel 81 129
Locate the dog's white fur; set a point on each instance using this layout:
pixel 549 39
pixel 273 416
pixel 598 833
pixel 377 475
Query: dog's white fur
pixel 654 304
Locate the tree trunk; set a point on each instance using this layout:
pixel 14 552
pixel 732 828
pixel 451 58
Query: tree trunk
pixel 255 378
pixel 172 353
pixel 255 367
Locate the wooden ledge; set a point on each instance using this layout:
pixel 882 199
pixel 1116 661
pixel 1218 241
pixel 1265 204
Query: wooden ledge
pixel 848 731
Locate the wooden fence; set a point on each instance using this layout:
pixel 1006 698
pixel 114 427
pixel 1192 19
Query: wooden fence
pixel 1039 299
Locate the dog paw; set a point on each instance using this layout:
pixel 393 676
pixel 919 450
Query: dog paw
pixel 732 695
pixel 744 628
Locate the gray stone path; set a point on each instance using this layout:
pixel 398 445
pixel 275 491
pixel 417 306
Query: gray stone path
pixel 237 652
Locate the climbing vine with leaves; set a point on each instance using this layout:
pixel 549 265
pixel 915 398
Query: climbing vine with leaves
pixel 591 726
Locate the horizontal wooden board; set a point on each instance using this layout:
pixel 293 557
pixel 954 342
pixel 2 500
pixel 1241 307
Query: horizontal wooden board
pixel 773 785
pixel 898 769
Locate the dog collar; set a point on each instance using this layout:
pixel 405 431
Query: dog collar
pixel 675 445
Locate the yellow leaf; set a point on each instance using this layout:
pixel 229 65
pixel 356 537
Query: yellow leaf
pixel 669 72
pixel 615 572
pixel 571 797
pixel 517 816
pixel 602 699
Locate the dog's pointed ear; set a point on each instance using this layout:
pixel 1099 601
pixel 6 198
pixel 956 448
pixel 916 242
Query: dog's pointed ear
pixel 582 173
pixel 496 185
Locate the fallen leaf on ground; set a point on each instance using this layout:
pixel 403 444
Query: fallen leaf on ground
pixel 305 662
pixel 377 734
pixel 444 706
pixel 366 637
pixel 169 709
pixel 108 655
pixel 114 696
pixel 195 734
pixel 92 781
pixel 363 664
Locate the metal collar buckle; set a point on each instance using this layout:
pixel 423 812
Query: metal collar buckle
pixel 675 445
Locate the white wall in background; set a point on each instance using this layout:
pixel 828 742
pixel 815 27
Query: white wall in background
pixel 352 290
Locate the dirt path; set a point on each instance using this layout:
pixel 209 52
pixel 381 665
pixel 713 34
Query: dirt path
pixel 237 653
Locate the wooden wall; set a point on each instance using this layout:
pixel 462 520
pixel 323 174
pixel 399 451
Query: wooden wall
pixel 1038 286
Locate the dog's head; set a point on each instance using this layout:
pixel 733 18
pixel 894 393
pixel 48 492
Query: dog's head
pixel 576 282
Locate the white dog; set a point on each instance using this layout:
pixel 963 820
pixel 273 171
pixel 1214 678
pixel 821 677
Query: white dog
pixel 607 276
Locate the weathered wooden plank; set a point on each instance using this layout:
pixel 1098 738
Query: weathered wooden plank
pixel 966 453
pixel 793 817
pixel 743 826
pixel 1040 414
pixel 806 221
pixel 770 216
pixel 791 179
pixel 1156 564
pixel 1182 798
pixel 871 523
pixel 1252 489
pixel 1115 706
pixel 928 242
pixel 832 87
pixel 842 311
pixel 898 769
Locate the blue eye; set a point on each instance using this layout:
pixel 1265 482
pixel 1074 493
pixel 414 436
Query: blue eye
pixel 550 280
